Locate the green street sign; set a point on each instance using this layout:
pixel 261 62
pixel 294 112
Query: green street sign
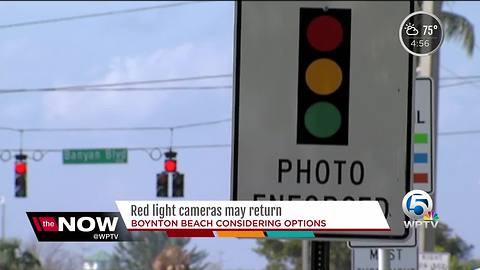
pixel 95 156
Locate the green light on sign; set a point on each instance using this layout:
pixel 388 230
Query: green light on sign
pixel 322 119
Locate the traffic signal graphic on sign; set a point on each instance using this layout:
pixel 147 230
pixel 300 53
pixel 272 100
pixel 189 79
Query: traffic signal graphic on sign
pixel 323 76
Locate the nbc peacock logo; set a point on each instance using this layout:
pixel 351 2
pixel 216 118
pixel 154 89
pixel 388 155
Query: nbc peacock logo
pixel 431 216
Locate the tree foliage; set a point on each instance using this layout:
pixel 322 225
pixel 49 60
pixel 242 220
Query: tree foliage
pixel 54 256
pixel 447 241
pixel 281 254
pixel 140 253
pixel 459 249
pixel 457 27
pixel 12 257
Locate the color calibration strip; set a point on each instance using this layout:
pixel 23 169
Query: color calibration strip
pixel 423 137
pixel 420 158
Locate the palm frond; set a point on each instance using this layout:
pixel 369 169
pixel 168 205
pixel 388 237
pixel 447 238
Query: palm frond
pixel 457 27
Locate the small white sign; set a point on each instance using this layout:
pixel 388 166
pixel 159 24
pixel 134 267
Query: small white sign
pixel 423 137
pixel 400 258
pixel 433 261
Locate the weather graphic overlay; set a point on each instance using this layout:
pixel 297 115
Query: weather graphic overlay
pixel 421 33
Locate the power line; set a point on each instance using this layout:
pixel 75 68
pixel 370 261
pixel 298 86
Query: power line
pixel 460 77
pixel 95 15
pixel 459 132
pixel 128 89
pixel 194 146
pixel 146 128
pixel 154 152
pixel 201 124
pixel 459 83
pixel 456 75
pixel 9 129
pixel 83 87
pixel 472 83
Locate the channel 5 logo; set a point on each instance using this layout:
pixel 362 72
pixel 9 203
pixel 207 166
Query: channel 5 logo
pixel 418 205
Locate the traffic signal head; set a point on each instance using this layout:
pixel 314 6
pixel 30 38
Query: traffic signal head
pixel 162 184
pixel 20 179
pixel 323 76
pixel 177 185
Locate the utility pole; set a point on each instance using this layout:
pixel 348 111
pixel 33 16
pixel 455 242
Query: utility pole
pixel 429 67
pixel 306 254
pixel 2 202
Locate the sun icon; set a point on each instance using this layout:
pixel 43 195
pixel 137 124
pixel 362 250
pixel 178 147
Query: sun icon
pixel 409 25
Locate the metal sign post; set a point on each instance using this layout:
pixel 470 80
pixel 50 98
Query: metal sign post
pixel 320 255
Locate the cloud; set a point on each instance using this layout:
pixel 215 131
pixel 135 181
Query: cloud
pixel 181 61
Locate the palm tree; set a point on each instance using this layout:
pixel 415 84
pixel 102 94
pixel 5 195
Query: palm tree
pixel 457 27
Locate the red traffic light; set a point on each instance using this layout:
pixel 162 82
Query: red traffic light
pixel 170 165
pixel 20 167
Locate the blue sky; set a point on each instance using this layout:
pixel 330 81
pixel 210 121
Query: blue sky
pixel 176 42
pixel 457 165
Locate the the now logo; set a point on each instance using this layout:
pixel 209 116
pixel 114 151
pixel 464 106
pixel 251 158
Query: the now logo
pixel 83 224
pixel 78 226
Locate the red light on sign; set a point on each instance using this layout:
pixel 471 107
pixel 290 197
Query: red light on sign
pixel 325 33
pixel 170 165
pixel 20 167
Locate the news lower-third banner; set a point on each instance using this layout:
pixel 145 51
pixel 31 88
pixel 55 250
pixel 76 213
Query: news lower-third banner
pixel 286 219
pixel 250 219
